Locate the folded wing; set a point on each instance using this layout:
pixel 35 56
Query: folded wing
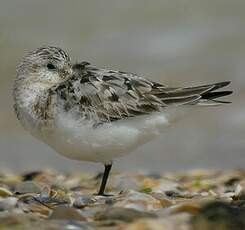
pixel 107 95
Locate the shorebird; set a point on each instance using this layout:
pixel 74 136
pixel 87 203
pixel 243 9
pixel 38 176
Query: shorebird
pixel 92 114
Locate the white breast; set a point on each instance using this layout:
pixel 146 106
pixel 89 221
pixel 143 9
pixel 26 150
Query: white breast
pixel 78 139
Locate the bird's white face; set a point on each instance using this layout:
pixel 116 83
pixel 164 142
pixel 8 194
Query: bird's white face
pixel 45 66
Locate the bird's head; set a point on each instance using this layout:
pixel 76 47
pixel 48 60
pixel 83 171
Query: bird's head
pixel 46 66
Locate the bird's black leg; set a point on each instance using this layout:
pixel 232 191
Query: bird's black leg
pixel 104 179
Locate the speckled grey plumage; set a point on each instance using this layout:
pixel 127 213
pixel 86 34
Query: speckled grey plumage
pixel 102 95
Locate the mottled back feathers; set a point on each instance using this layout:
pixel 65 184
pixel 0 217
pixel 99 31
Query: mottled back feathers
pixel 106 95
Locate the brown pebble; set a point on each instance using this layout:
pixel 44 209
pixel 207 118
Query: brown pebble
pixel 28 187
pixel 123 214
pixel 5 192
pixel 66 213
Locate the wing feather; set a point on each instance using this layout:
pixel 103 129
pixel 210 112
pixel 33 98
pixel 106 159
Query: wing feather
pixel 107 95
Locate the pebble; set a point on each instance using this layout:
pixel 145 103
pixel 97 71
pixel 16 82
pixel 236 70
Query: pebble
pixel 176 222
pixel 191 208
pixel 138 201
pixel 66 213
pixel 172 201
pixel 219 215
pixel 125 182
pixel 28 187
pixel 5 192
pixel 83 201
pixel 8 203
pixel 146 224
pixel 165 202
pixel 123 214
pixel 12 220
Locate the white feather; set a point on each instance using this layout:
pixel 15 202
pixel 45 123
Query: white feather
pixel 78 139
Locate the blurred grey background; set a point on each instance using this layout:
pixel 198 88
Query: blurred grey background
pixel 177 42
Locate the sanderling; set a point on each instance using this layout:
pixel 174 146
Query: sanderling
pixel 92 114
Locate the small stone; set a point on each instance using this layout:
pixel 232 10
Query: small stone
pixel 82 201
pixel 146 224
pixel 232 181
pixel 123 214
pixel 31 175
pixel 52 201
pixel 163 185
pixel 146 190
pixel 165 202
pixel 138 201
pixel 28 203
pixel 124 182
pixel 239 193
pixel 176 222
pixel 191 208
pixel 66 213
pixel 28 187
pixel 178 194
pixel 12 220
pixel 219 215
pixel 8 203
pixel 150 183
pixel 5 192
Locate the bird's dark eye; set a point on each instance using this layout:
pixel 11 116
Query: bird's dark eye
pixel 50 66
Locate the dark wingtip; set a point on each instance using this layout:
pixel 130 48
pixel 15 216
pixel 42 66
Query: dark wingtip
pixel 223 93
pixel 228 92
pixel 221 85
pixel 213 95
pixel 225 83
pixel 222 102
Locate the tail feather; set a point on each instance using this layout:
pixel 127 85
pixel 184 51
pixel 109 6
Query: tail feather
pixel 198 95
pixel 220 85
pixel 209 97
pixel 214 95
